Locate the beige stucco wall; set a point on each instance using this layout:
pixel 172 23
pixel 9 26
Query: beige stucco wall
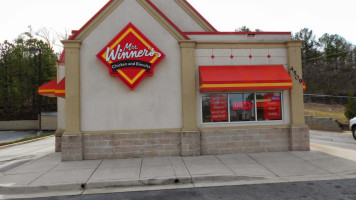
pixel 60 100
pixel 106 102
pixel 241 57
pixel 61 114
pixel 49 122
pixel 178 16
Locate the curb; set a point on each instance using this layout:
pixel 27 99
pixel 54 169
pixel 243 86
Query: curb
pixel 140 182
pixel 39 189
pixel 125 183
pixel 225 178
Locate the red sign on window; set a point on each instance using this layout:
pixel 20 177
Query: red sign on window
pixel 218 107
pixel 241 105
pixel 272 106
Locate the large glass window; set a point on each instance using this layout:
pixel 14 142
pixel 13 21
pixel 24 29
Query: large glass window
pixel 237 107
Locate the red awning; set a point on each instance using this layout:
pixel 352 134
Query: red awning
pixel 247 77
pixel 48 89
pixel 52 89
pixel 61 88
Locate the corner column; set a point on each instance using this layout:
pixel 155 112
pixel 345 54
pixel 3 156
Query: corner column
pixel 188 85
pixel 190 136
pixel 72 145
pixel 299 132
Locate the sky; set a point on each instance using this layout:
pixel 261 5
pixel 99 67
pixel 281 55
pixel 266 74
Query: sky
pixel 59 16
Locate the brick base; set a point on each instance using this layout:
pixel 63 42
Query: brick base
pixel 58 140
pixel 131 145
pixel 190 143
pixel 72 147
pixel 244 140
pixel 299 139
pixel 185 143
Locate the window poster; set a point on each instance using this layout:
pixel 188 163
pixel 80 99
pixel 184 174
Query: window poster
pixel 218 107
pixel 272 106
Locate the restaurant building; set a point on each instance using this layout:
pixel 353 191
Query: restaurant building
pixel 154 78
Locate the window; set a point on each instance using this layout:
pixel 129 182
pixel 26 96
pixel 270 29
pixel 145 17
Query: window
pixel 239 107
pixel 215 108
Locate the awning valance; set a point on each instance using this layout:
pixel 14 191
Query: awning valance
pixel 48 88
pixel 52 88
pixel 61 88
pixel 246 77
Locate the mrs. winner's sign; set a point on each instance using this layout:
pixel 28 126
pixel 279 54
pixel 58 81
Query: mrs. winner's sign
pixel 130 56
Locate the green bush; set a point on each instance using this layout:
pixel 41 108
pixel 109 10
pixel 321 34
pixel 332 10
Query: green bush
pixel 350 109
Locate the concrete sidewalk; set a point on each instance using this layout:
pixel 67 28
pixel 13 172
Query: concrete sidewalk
pixel 51 176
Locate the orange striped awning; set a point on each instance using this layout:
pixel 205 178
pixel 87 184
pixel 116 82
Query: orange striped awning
pixel 61 88
pixel 48 88
pixel 246 77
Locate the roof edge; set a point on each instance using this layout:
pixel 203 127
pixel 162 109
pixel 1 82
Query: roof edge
pixel 190 10
pixel 167 19
pixel 62 57
pixel 76 33
pixel 238 33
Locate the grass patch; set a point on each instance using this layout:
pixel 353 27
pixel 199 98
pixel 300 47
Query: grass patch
pixel 316 113
pixel 26 139
pixel 321 110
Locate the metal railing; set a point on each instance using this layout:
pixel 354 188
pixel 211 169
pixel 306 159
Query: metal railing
pixel 326 99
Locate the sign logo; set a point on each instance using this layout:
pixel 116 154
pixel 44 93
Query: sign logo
pixel 130 56
pixel 241 106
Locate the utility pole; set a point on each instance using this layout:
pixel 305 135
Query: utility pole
pixel 34 50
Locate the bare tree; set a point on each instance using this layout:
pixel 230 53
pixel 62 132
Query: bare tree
pixel 247 29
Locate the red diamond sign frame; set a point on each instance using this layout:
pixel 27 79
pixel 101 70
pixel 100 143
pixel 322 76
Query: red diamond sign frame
pixel 131 56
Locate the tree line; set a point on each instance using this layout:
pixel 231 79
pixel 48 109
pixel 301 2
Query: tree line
pixel 329 63
pixel 19 77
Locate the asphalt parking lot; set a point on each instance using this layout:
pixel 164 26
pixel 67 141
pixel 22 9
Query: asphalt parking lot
pixel 10 136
